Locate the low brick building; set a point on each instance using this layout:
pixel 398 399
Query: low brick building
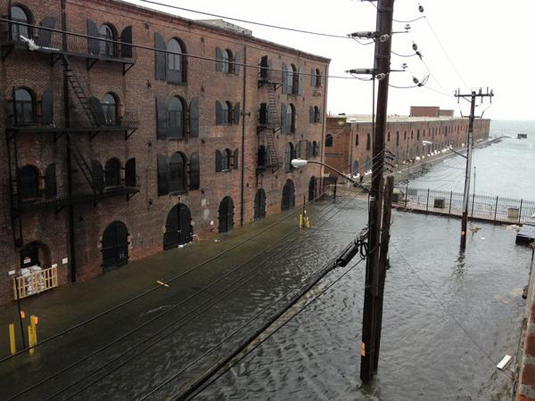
pixel 348 142
pixel 132 131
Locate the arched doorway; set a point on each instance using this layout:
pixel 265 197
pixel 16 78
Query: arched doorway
pixel 35 254
pixel 114 246
pixel 288 196
pixel 260 204
pixel 312 189
pixel 226 215
pixel 178 228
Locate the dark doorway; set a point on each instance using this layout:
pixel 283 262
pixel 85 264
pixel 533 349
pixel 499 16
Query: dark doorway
pixel 260 204
pixel 114 246
pixel 178 228
pixel 312 189
pixel 226 215
pixel 288 196
pixel 34 254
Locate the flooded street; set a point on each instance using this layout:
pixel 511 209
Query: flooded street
pixel 448 320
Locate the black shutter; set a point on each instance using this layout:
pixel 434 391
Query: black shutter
pixel 312 77
pixel 98 176
pixel 98 113
pixel 163 175
pixel 284 78
pixel 319 115
pixel 236 158
pixel 236 114
pixel 310 150
pixel 161 118
pixel 311 114
pixel 301 81
pixel 92 44
pixel 160 58
pixel 47 107
pixel 130 179
pixel 237 62
pixel 218 113
pixel 284 123
pixel 194 118
pixel 217 161
pixel 322 79
pixel 126 37
pixel 264 67
pixel 219 59
pixel 45 37
pixel 50 181
pixel 194 171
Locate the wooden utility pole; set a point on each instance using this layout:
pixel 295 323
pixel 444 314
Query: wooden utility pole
pixel 469 148
pixel 383 35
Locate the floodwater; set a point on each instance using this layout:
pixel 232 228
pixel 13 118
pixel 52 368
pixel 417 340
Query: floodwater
pixel 447 321
pixel 505 169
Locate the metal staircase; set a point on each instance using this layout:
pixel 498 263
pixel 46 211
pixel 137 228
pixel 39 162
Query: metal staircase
pixel 83 165
pixel 269 134
pixel 79 91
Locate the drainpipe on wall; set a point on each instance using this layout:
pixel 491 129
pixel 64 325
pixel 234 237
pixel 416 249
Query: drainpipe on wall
pixel 322 146
pixel 242 196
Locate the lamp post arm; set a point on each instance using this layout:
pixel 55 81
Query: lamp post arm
pixel 457 153
pixel 350 179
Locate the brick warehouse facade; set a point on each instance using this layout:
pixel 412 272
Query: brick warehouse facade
pixel 114 153
pixel 348 146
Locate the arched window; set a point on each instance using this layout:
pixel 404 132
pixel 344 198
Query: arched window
pixel 418 135
pixel 175 61
pixel 369 142
pixel 109 106
pixel 314 149
pixel 106 48
pixel 225 59
pixel 225 111
pixel 357 140
pixel 24 107
pixel 177 173
pixel 290 118
pixel 226 157
pixel 318 78
pixel 295 80
pixel 288 155
pixel 329 141
pixel 28 180
pixel 112 173
pixel 317 114
pixel 228 61
pixel 388 137
pixel 18 14
pixel 176 118
pixel 397 138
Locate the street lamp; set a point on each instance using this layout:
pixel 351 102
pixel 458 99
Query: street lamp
pixel 298 163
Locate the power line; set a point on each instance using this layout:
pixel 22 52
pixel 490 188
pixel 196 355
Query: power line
pixel 258 271
pixel 245 21
pixel 265 338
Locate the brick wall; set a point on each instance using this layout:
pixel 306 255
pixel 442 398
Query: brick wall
pixel 145 213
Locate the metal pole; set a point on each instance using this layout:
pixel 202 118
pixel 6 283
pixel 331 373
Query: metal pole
pixel 474 194
pixel 385 9
pixel 406 195
pixel 451 198
pixel 520 212
pixel 464 224
pixel 427 203
pixel 496 210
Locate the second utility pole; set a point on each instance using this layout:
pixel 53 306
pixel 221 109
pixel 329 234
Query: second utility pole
pixel 385 12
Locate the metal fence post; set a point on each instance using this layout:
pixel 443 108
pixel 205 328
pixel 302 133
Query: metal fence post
pixel 473 203
pixel 427 203
pixel 496 210
pixel 406 196
pixel 451 198
pixel 520 213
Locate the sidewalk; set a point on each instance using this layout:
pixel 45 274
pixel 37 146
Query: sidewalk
pixel 294 254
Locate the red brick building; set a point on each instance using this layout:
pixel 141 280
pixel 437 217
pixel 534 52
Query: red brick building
pixel 114 151
pixel 348 145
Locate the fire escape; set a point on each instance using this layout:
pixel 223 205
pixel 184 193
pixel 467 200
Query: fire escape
pixel 269 121
pixel 67 129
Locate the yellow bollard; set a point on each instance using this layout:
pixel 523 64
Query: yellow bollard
pixel 300 221
pixel 34 320
pixel 30 340
pixel 12 343
pixel 307 222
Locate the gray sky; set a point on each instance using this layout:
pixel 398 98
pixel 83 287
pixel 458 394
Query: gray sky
pixel 487 41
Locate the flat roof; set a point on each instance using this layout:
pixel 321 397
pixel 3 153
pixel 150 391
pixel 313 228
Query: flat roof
pixel 367 118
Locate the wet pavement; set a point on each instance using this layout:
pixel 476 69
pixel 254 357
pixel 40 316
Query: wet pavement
pixel 438 306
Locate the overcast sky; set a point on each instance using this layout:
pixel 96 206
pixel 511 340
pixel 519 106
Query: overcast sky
pixel 488 42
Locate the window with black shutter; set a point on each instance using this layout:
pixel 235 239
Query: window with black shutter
pixel 93 45
pixel 262 114
pixel 219 64
pixel 28 180
pixel 18 14
pixel 317 114
pixel 218 160
pixel 50 181
pixel 177 173
pixel 160 57
pixel 290 118
pixel 24 107
pixel 98 176
pixel 312 77
pixel 161 118
pixel 175 62
pixel 126 39
pixel 109 107
pixel 285 78
pixel 314 149
pixel 319 78
pixel 329 140
pixel 289 153
pixel 293 85
pixel 237 63
pixel 300 82
pixel 311 114
pixel 236 114
pixel 45 37
pixel 194 171
pixel 218 113
pixel 130 178
pixel 194 118
pixel 112 173
pixel 236 158
pixel 226 114
pixel 176 118
pixel 226 159
pixel 106 34
pixel 264 67
pixel 284 117
pixel 163 174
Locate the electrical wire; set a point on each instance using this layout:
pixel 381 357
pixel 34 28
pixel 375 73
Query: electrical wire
pixel 265 338
pixel 259 269
pixel 244 21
